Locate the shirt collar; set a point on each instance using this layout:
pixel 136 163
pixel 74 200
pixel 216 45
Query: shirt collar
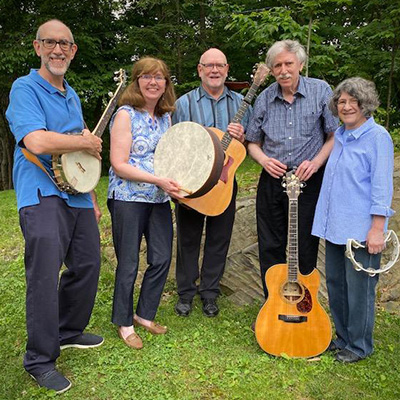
pixel 34 74
pixel 356 133
pixel 203 93
pixel 277 91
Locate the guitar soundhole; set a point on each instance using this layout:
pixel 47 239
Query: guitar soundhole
pixel 305 305
pixel 292 292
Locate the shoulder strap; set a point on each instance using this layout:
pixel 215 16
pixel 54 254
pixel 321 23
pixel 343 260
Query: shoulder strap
pixel 35 160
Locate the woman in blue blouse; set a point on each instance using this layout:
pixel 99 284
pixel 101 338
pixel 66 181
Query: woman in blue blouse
pixel 354 203
pixel 139 201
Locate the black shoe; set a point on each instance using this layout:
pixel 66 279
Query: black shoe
pixel 347 356
pixel 183 307
pixel 210 308
pixel 83 341
pixel 52 380
pixel 332 346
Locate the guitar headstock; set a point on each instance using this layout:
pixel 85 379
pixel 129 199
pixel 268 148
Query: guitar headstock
pixel 292 184
pixel 261 73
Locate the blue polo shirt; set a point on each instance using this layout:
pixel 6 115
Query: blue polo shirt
pixel 35 105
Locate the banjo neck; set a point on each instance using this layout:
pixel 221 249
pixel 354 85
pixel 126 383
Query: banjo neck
pixel 103 121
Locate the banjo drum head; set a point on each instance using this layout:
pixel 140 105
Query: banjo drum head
pixel 192 155
pixel 81 170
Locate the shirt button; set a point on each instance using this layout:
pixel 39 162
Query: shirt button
pixel 290 123
pixel 290 154
pixel 290 137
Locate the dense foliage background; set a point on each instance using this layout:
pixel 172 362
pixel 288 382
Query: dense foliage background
pixel 344 38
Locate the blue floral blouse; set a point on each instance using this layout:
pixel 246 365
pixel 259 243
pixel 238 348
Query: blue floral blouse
pixel 146 133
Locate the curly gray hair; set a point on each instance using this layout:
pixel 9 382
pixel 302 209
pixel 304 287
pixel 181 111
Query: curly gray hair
pixel 292 46
pixel 362 90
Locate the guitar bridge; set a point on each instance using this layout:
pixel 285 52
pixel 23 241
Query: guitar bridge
pixel 294 319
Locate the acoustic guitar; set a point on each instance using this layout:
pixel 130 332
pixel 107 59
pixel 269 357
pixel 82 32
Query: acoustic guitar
pixel 216 201
pixel 292 321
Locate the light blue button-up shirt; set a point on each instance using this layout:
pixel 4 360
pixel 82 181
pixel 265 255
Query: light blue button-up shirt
pixel 358 184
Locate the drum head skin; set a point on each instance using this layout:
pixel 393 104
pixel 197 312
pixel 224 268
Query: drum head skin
pixel 81 170
pixel 192 155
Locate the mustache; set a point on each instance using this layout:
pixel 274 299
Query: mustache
pixel 284 76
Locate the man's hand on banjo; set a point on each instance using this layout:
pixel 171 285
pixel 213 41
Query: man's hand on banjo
pixel 93 144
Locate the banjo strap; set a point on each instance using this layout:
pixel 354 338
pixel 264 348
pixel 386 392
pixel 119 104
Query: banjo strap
pixel 35 160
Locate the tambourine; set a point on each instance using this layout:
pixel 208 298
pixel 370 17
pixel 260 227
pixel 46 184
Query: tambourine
pixel 390 239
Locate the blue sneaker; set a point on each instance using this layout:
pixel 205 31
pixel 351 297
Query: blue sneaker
pixel 82 341
pixel 52 380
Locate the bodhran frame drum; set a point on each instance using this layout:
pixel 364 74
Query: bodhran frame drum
pixel 192 155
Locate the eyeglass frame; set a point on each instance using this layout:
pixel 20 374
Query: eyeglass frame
pixel 57 42
pixel 211 66
pixel 161 78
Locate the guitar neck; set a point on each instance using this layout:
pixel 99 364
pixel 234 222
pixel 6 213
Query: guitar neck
pixel 293 257
pixel 227 138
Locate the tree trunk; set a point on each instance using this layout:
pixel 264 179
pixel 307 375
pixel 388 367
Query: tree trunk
pixel 178 44
pixel 308 42
pixel 6 152
pixel 389 95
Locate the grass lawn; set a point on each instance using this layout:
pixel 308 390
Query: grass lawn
pixel 199 358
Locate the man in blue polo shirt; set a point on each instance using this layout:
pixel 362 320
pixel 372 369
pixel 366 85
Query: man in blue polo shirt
pixel 291 126
pixel 57 227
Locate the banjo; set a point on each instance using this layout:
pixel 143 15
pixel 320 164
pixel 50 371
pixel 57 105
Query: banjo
pixel 78 171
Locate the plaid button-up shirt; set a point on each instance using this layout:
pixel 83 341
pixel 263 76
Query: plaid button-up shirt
pixel 292 132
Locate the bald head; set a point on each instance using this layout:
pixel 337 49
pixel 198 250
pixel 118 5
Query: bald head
pixel 212 54
pixel 53 24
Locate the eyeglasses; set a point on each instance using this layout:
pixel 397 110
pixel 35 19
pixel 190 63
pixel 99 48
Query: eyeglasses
pixel 352 102
pixel 219 66
pixel 51 44
pixel 148 78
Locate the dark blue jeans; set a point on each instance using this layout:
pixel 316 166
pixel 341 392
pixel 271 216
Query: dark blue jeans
pixel 57 308
pixel 351 298
pixel 130 221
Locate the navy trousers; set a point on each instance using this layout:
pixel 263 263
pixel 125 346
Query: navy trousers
pixel 57 308
pixel 351 298
pixel 130 221
pixel 272 223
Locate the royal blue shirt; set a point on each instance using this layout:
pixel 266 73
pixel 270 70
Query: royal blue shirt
pixel 35 105
pixel 199 106
pixel 292 132
pixel 358 184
